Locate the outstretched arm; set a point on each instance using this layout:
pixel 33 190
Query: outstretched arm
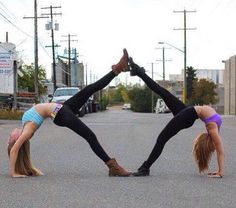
pixel 214 133
pixel 27 133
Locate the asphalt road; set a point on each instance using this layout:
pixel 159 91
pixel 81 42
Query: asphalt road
pixel 75 177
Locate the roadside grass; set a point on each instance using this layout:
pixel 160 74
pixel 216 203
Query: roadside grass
pixel 11 114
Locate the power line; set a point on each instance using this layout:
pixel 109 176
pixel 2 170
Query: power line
pixel 8 10
pixel 69 54
pixel 8 21
pixel 43 47
pixel 36 67
pixel 6 14
pixel 51 14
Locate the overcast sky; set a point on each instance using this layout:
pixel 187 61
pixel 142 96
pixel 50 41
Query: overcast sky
pixel 103 28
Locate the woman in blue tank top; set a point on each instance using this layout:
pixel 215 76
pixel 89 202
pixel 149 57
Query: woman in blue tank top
pixel 63 115
pixel 184 117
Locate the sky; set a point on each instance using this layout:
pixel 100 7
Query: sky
pixel 103 28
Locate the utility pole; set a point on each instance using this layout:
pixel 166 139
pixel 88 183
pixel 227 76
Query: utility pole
pixel 36 67
pixel 86 76
pixel 163 61
pixel 69 57
pixel 51 14
pixel 91 77
pixel 152 95
pixel 14 85
pixel 152 91
pixel 185 50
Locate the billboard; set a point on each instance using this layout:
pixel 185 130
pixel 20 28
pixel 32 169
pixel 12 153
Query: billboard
pixel 7 57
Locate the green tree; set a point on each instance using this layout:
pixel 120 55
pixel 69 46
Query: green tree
pixel 190 78
pixel 27 80
pixel 120 94
pixel 204 92
pixel 104 102
pixel 141 99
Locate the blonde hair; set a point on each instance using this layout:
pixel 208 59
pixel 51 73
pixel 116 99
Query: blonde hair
pixel 24 165
pixel 203 149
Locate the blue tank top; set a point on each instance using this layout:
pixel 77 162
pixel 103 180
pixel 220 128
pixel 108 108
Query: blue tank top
pixel 32 115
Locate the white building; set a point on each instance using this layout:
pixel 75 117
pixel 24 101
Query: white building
pixel 7 57
pixel 215 75
pixel 230 86
pixel 77 73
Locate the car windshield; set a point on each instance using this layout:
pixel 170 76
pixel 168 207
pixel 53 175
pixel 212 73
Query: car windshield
pixel 65 92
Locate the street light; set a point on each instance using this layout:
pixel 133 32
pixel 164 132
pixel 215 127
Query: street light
pixel 185 67
pixel 171 46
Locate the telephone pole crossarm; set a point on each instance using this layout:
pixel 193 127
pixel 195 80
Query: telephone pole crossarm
pixel 69 56
pixel 35 17
pixel 51 14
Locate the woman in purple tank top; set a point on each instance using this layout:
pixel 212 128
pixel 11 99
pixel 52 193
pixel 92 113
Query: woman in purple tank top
pixel 184 117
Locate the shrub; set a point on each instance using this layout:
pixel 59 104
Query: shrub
pixel 141 99
pixel 10 115
pixel 104 102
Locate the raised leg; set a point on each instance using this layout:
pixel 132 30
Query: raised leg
pixel 173 103
pixel 79 99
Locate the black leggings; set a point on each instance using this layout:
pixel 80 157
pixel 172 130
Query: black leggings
pixel 184 117
pixel 67 115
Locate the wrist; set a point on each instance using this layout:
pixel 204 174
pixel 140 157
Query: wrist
pixel 221 172
pixel 12 172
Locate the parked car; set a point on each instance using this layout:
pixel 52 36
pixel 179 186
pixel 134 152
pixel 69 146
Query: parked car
pixel 62 94
pixel 126 106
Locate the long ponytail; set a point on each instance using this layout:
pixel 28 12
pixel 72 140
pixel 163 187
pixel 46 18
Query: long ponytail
pixel 24 164
pixel 203 149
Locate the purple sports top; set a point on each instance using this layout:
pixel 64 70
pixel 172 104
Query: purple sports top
pixel 214 118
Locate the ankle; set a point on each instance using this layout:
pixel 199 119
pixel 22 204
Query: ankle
pixel 142 172
pixel 122 65
pixel 144 165
pixel 135 68
pixel 115 169
pixel 115 69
